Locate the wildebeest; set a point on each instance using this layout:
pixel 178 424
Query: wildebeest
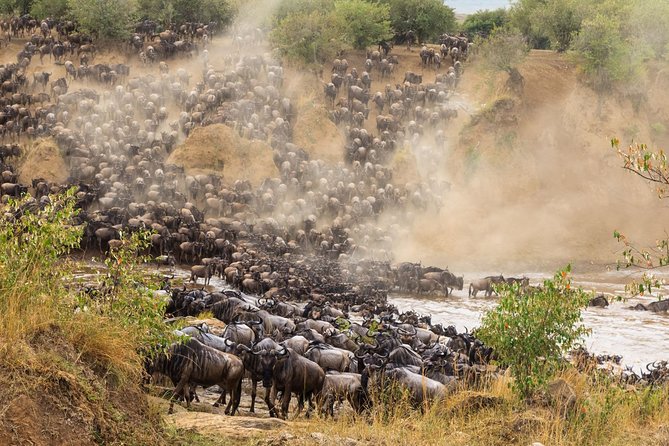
pixel 413 78
pixel 204 271
pixel 195 363
pixel 660 306
pixel 599 301
pixel 293 373
pixel 485 284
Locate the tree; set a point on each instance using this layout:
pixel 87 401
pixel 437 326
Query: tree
pixel 108 19
pixel 504 51
pixel 18 7
pixel 606 56
pixel 204 11
pixel 362 23
pixel 482 23
pixel 50 8
pixel 650 21
pixel 560 20
pixel 291 7
pixel 522 15
pixel 307 37
pixel 427 18
pixel 533 328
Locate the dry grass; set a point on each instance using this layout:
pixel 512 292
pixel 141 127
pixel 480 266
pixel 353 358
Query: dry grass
pixel 604 414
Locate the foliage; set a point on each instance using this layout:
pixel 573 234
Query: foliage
pixel 522 18
pixel 18 7
pixel 107 19
pixel 288 8
pixel 205 11
pixel 652 166
pixel 650 21
pixel 482 23
pixel 532 328
pixel 32 240
pixel 362 23
pixel 307 37
pixel 126 293
pixel 49 8
pixel 504 50
pixel 606 56
pixel 560 20
pixel 427 18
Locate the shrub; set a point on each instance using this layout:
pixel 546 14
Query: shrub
pixel 362 23
pixel 532 328
pixel 33 238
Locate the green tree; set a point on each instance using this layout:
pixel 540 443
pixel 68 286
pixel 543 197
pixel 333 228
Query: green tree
pixel 50 8
pixel 18 7
pixel 221 11
pixel 504 50
pixel 533 328
pixel 108 19
pixel 427 18
pixel 482 23
pixel 307 37
pixel 291 7
pixel 560 20
pixel 650 21
pixel 32 241
pixel 362 23
pixel 606 56
pixel 522 18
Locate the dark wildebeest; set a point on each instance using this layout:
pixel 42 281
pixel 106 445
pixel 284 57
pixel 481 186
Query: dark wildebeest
pixel 293 373
pixel 195 363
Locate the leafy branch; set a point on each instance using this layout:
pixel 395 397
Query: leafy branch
pixel 653 167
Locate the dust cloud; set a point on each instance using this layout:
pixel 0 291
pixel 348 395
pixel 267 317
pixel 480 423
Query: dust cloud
pixel 541 192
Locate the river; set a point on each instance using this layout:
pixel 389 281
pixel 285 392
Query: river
pixel 639 336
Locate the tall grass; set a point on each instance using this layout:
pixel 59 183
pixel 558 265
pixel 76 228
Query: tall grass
pixel 491 414
pixel 108 329
pixel 32 240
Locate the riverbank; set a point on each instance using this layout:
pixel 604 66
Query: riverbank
pixel 598 412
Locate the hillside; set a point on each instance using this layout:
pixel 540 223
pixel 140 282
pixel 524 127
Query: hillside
pixel 541 163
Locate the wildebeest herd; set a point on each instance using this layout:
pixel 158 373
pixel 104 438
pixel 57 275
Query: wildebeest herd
pixel 300 242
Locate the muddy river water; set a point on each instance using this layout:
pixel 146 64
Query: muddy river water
pixel 639 336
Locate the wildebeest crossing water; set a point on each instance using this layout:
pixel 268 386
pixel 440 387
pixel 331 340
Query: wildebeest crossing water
pixel 640 337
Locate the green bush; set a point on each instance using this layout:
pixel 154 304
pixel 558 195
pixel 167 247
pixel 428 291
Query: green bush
pixel 308 37
pixel 32 241
pixel 532 328
pixel 106 19
pixel 427 18
pixel 482 23
pixel 362 23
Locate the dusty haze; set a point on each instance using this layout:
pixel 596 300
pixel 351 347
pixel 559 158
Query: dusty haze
pixel 546 190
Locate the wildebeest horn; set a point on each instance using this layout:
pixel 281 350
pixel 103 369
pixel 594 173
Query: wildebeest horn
pixel 245 348
pixel 283 352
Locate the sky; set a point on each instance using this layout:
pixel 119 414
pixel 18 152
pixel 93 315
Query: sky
pixel 470 6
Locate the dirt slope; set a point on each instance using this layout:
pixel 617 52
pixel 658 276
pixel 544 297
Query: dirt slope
pixel 535 181
pixel 218 149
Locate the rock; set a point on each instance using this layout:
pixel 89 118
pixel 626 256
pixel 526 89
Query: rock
pixel 536 443
pixel 319 437
pixel 562 395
